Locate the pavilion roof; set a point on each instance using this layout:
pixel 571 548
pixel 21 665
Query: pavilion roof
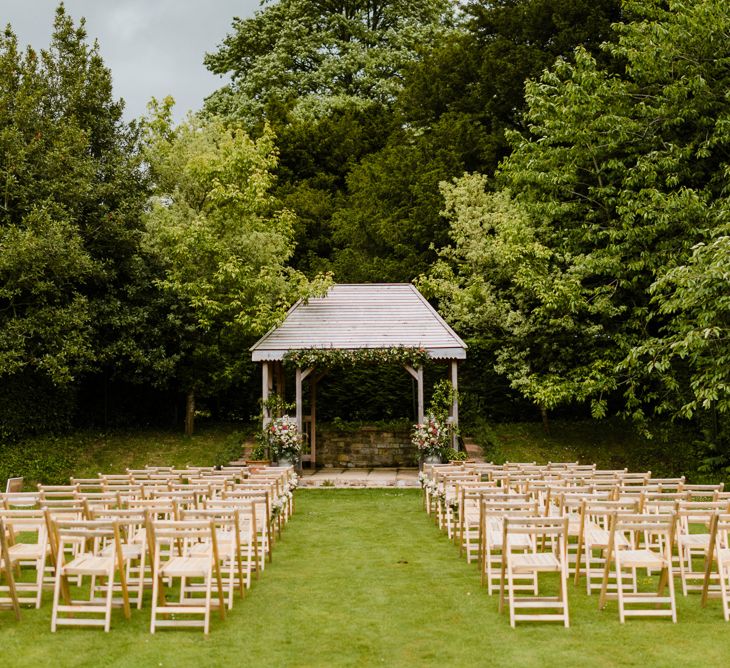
pixel 362 315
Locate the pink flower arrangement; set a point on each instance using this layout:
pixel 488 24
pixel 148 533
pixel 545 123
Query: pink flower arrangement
pixel 431 436
pixel 284 437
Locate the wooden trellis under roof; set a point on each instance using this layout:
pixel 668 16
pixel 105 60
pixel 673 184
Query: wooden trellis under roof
pixel 354 317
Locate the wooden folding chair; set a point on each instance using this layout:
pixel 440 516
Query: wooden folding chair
pixel 92 561
pixel 27 553
pixel 247 536
pixel 133 537
pixel 470 495
pixel 87 484
pixel 263 527
pixel 493 511
pixel 8 593
pixel 719 553
pixel 179 563
pixel 228 536
pixel 20 500
pixel 650 539
pixel 62 510
pixel 449 499
pixel 568 502
pixel 532 562
pixel 594 537
pixel 693 534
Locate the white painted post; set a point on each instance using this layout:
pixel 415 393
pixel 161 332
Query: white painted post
pixel 419 381
pixel 455 403
pixel 299 407
pixel 265 384
pixel 313 427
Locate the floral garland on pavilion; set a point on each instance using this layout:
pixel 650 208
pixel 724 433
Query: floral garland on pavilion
pixel 336 357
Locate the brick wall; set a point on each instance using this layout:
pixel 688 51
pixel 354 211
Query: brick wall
pixel 364 447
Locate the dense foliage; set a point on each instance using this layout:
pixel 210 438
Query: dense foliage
pixel 555 171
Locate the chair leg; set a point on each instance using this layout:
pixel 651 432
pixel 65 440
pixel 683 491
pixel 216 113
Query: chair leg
pixel 683 553
pixel 673 600
pixel 109 597
pixel 155 592
pixel 208 586
pixel 620 592
pixel 511 593
pixel 40 568
pixel 56 596
pixel 564 600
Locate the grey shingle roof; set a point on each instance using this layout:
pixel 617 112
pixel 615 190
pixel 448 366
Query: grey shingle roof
pixel 363 315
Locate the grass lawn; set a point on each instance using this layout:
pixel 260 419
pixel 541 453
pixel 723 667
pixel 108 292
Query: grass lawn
pixel 362 578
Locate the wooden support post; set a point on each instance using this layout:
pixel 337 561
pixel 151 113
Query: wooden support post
pixel 301 374
pixel 418 376
pixel 298 390
pixel 455 403
pixel 313 425
pixel 265 386
pixel 419 381
pixel 280 380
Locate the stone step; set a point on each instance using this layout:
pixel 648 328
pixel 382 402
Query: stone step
pixel 359 477
pixel 473 450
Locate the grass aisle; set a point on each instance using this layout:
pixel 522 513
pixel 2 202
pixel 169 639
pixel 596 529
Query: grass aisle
pixel 363 578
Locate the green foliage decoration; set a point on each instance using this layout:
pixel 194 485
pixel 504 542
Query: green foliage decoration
pixel 327 358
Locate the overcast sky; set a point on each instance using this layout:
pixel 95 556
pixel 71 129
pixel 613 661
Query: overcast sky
pixel 153 47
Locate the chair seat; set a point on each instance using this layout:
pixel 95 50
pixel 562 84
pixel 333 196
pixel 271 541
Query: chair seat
pixel 544 561
pixel 187 567
pixel 495 533
pixel 225 542
pixel 573 525
pixel 641 559
pixel 89 564
pixel 695 540
pixel 129 551
pixel 27 551
pixel 597 537
pixel 516 542
pixel 724 556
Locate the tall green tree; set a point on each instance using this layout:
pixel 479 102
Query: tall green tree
pixel 223 243
pixel 456 105
pixel 72 195
pixel 326 76
pixel 315 55
pixel 620 175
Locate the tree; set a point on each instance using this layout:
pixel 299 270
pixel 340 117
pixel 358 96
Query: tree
pixel 223 244
pixel 457 102
pixel 326 76
pixel 621 174
pixel 316 55
pixel 72 194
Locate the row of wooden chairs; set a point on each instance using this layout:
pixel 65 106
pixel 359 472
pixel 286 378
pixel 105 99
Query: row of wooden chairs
pixel 209 539
pixel 521 520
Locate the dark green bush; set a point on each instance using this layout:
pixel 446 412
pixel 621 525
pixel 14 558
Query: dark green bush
pixel 49 460
pixel 30 405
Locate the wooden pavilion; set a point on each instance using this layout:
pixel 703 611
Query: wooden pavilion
pixel 352 317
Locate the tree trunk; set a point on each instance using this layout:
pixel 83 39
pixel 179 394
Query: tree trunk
pixel 545 421
pixel 190 413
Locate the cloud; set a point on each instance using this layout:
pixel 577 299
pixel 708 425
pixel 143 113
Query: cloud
pixel 153 48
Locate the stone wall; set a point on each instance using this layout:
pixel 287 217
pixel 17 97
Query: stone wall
pixel 363 448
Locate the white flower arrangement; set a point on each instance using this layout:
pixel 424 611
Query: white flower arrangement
pixel 293 482
pixel 284 438
pixel 277 507
pixel 430 437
